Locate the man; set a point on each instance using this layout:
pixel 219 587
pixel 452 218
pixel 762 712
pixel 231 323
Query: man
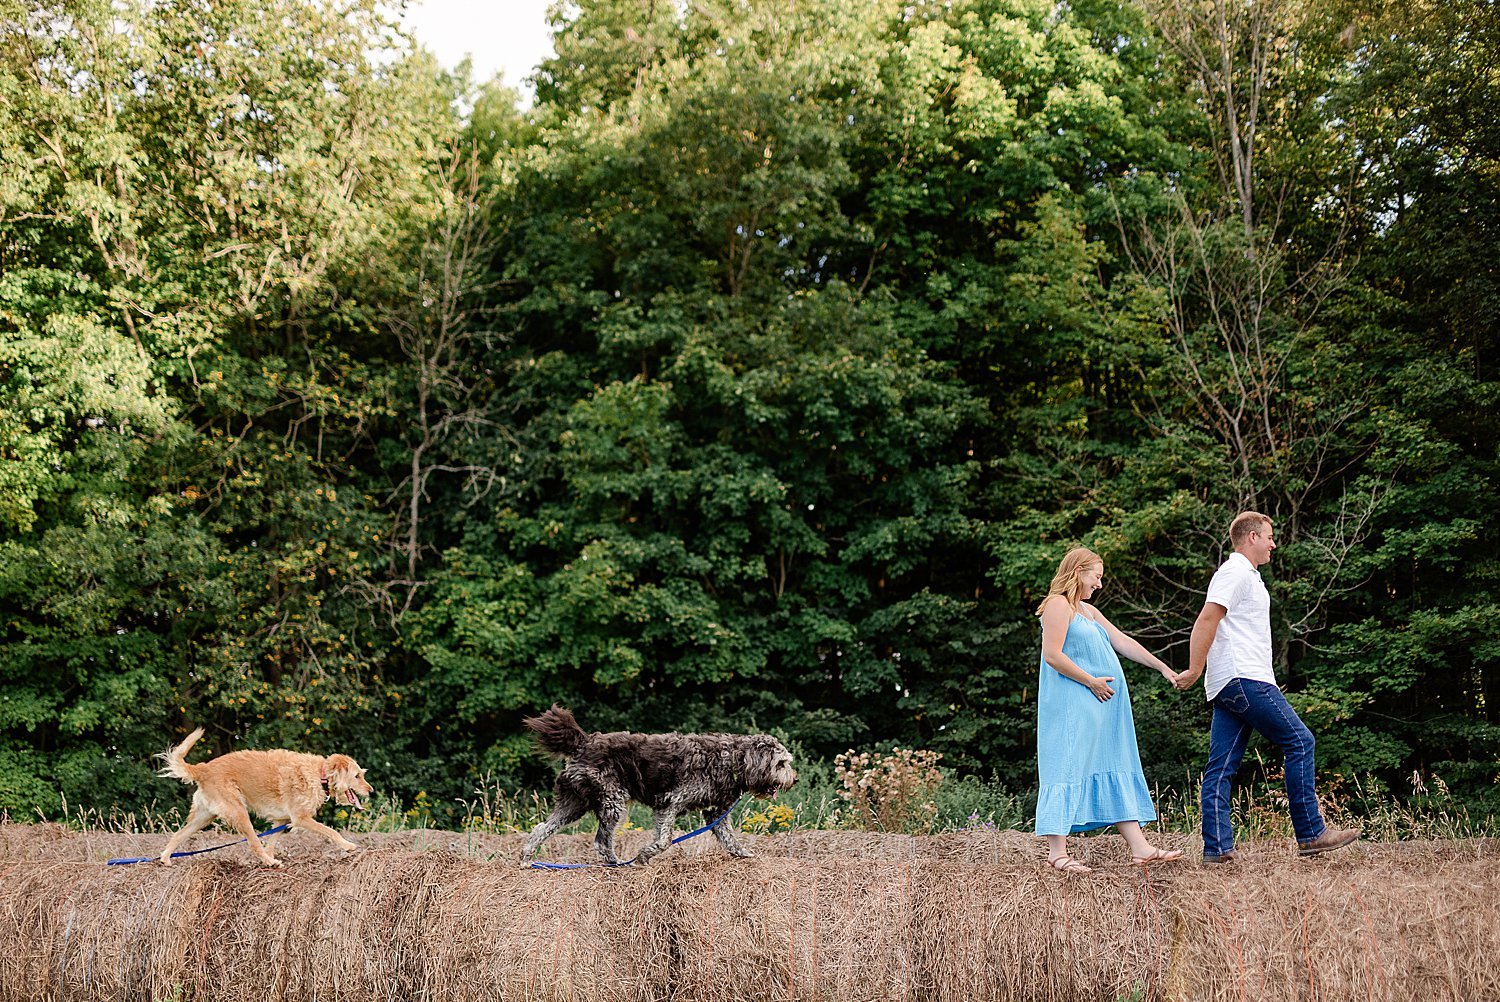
pixel 1232 638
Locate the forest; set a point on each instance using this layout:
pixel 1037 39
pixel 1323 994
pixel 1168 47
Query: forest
pixel 755 375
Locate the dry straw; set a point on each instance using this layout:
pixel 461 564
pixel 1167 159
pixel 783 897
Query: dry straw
pixel 819 916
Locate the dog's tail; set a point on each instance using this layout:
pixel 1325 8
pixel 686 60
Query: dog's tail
pixel 557 732
pixel 173 764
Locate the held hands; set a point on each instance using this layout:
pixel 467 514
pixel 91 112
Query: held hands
pixel 1100 688
pixel 1186 679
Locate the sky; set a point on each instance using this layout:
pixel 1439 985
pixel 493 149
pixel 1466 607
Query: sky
pixel 508 37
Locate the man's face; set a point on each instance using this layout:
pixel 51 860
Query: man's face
pixel 1260 543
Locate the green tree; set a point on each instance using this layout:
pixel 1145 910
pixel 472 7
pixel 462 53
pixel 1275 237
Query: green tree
pixel 198 254
pixel 777 278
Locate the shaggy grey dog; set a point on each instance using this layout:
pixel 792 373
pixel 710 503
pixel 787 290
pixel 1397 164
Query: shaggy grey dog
pixel 669 773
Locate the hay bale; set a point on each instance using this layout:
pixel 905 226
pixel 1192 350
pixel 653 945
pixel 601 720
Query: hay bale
pixel 1023 934
pixel 1400 929
pixel 970 915
pixel 500 931
pixel 69 934
pixel 815 930
pixel 31 841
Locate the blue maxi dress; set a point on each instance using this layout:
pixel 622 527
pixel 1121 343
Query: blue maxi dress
pixel 1088 764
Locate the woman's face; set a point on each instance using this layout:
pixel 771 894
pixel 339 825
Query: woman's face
pixel 1089 580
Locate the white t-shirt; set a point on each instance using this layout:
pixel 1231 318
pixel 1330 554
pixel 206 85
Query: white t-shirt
pixel 1242 647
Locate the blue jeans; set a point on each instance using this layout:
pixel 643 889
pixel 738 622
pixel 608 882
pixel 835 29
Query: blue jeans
pixel 1242 706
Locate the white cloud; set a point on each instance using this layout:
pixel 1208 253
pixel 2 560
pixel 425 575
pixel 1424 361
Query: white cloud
pixel 503 37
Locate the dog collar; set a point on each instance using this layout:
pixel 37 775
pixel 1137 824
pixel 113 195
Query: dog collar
pixel 323 775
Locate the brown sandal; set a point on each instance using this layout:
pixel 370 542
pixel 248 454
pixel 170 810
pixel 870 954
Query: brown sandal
pixel 1067 864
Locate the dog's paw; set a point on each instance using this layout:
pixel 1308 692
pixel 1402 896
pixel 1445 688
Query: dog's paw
pixel 742 854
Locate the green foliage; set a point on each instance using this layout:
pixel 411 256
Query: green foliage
pixel 757 377
pixel 195 248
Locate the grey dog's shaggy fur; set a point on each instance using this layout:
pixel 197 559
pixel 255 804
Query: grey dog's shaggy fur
pixel 669 773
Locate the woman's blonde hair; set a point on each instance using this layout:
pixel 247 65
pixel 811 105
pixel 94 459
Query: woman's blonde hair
pixel 1065 581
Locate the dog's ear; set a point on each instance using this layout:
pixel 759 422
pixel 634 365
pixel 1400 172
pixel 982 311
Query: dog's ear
pixel 343 765
pixel 760 754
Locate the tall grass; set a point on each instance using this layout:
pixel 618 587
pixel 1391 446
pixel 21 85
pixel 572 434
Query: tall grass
pixel 1259 809
pixel 150 820
pixel 817 802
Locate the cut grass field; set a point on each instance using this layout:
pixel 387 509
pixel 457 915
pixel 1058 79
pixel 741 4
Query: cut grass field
pixel 847 915
pixel 960 905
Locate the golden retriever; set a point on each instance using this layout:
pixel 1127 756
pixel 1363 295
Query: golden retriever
pixel 282 786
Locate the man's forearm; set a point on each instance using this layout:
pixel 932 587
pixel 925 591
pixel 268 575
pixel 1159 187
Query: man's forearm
pixel 1204 631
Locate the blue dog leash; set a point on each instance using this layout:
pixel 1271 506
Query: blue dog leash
pixel 147 859
pixel 589 866
pixel 535 866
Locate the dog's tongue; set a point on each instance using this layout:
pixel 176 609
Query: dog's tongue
pixel 354 800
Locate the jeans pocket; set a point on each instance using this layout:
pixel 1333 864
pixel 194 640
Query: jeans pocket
pixel 1233 698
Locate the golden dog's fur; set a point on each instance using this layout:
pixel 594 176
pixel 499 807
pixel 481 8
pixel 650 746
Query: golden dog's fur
pixel 285 787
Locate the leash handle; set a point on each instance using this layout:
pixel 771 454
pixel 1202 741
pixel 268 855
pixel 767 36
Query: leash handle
pixel 194 852
pixel 592 866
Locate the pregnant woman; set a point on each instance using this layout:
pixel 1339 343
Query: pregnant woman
pixel 1087 759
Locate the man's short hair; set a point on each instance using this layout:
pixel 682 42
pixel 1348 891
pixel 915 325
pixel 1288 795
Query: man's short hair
pixel 1245 523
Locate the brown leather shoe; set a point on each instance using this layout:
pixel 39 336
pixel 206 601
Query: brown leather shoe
pixel 1332 838
pixel 1228 857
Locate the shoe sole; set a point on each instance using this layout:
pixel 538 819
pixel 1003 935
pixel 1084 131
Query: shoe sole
pixel 1328 848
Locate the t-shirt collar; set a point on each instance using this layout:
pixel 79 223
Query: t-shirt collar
pixel 1241 560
